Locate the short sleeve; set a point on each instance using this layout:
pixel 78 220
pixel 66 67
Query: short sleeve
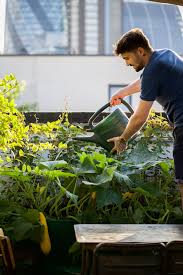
pixel 149 88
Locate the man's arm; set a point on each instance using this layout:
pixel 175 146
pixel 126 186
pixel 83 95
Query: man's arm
pixel 138 119
pixel 132 88
pixel 135 123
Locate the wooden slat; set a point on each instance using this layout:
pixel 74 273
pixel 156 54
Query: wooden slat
pixel 7 253
pixel 1 232
pixel 97 233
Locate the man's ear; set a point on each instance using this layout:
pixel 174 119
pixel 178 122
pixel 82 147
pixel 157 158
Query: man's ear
pixel 141 51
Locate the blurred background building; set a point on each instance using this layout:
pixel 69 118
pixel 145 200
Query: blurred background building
pixel 63 47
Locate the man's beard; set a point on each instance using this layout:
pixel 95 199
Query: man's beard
pixel 139 68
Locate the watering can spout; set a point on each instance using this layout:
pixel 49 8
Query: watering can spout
pixel 86 138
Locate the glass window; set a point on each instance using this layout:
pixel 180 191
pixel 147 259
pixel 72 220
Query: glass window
pixel 85 27
pixel 36 27
pixel 162 24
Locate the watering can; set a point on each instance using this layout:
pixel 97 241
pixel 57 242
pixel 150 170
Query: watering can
pixel 111 126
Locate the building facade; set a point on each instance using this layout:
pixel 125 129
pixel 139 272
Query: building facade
pixel 87 27
pixel 63 48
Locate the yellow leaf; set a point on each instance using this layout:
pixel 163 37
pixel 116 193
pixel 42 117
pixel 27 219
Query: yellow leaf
pixel 29 169
pixel 127 195
pixel 8 159
pixel 62 145
pixel 93 195
pixel 1 160
pixel 24 167
pixel 21 153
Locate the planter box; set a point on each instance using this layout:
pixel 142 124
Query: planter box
pixel 75 117
pixel 62 237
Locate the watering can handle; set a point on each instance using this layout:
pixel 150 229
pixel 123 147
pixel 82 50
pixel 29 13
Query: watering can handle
pixel 95 115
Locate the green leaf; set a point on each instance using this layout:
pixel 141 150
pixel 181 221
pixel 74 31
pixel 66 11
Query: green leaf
pixel 121 179
pixel 99 157
pixel 68 194
pixel 22 229
pixel 165 166
pixel 142 191
pixel 90 216
pixel 106 176
pixel 14 174
pixel 87 166
pixel 32 215
pixel 24 168
pixel 141 154
pixel 21 153
pixel 107 197
pixel 53 164
pixel 29 169
pixel 138 216
pixel 151 189
pixel 75 247
pixel 177 211
pixel 56 174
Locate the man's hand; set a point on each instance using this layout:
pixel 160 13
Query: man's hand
pixel 130 89
pixel 119 144
pixel 116 98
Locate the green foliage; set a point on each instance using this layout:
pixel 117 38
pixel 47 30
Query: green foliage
pixel 44 169
pixel 12 128
pixel 20 223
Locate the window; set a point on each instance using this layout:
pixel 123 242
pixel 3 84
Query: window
pixel 36 27
pixel 85 27
pixel 162 24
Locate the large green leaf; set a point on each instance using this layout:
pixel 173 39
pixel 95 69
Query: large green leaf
pixel 87 166
pixel 142 191
pixel 53 164
pixel 101 158
pixel 107 197
pixel 15 174
pixel 22 229
pixel 123 180
pixel 106 176
pixel 141 153
pixel 68 194
pixel 165 167
pixel 151 189
pixel 32 215
pixel 56 174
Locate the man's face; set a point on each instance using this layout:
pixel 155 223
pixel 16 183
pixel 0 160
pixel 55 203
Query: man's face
pixel 135 59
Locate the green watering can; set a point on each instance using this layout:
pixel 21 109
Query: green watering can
pixel 111 126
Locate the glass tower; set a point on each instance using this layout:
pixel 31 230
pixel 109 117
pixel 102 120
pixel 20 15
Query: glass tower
pixel 36 27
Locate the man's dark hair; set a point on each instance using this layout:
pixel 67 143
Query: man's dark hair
pixel 131 41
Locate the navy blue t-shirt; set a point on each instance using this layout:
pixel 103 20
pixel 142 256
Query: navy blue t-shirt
pixel 162 80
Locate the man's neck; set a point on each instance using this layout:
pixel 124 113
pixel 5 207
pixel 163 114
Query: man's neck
pixel 148 56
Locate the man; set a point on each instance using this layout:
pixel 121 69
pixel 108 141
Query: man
pixel 161 80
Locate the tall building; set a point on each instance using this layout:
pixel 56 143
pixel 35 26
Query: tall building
pixel 87 27
pixel 163 24
pixel 36 27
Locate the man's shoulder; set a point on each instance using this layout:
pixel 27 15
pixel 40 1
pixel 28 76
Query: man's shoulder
pixel 162 58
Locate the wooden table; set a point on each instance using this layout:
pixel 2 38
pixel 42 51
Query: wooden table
pixel 89 235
